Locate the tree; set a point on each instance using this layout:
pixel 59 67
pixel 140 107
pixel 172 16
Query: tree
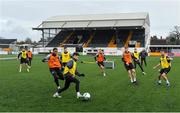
pixel 28 40
pixel 174 36
pixel 154 37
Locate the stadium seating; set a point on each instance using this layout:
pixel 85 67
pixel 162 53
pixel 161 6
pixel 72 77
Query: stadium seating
pixel 98 38
pixel 122 37
pixel 113 42
pixel 4 43
pixel 60 37
pixel 138 37
pixel 101 38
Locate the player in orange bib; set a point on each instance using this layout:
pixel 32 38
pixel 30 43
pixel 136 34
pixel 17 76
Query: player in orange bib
pixel 54 65
pixel 30 56
pixel 127 59
pixel 100 58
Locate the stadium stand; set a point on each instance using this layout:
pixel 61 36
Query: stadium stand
pixel 4 43
pixel 99 30
pixel 60 37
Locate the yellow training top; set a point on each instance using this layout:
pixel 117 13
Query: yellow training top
pixel 24 54
pixel 65 57
pixel 164 62
pixel 72 70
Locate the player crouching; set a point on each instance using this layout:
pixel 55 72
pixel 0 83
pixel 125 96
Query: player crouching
pixel 127 59
pixel 70 72
pixel 100 58
pixel 165 63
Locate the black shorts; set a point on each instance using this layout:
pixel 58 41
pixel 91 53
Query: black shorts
pixel 30 59
pixel 64 63
pixel 128 67
pixel 100 63
pixel 165 70
pixel 56 73
pixel 23 61
pixel 137 61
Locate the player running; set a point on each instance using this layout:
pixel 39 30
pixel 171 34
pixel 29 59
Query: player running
pixel 127 59
pixel 70 72
pixel 143 54
pixel 54 64
pixel 100 58
pixel 30 56
pixel 23 60
pixel 135 56
pixel 65 57
pixel 165 63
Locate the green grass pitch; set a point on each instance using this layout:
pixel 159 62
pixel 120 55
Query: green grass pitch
pixel 33 91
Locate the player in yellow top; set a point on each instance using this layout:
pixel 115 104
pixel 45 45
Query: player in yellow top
pixel 65 57
pixel 23 59
pixel 165 63
pixel 135 56
pixel 70 72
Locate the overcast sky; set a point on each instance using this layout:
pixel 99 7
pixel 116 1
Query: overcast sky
pixel 17 17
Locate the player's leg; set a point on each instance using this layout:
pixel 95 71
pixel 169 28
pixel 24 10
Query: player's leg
pixel 77 82
pixel 141 61
pixel 141 67
pixel 30 61
pixel 159 79
pixel 60 75
pixel 27 65
pixel 130 76
pixel 20 65
pixel 166 79
pixel 55 76
pixel 133 71
pixel 66 86
pixel 102 68
pixel 144 59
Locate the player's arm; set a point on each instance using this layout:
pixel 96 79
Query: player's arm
pixel 60 56
pixel 123 58
pixel 45 59
pixel 78 74
pixel 169 59
pixel 146 53
pixel 157 65
pixel 60 61
pixel 32 55
pixel 133 57
pixel 27 56
pixel 140 55
pixel 104 58
pixel 95 58
pixel 19 55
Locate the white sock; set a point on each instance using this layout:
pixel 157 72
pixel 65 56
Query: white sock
pixel 159 81
pixel 167 81
pixel 20 68
pixel 131 80
pixel 78 93
pixel 134 79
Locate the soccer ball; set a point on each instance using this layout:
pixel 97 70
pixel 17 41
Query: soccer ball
pixel 86 96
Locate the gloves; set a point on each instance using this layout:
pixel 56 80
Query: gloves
pixel 43 60
pixel 83 75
